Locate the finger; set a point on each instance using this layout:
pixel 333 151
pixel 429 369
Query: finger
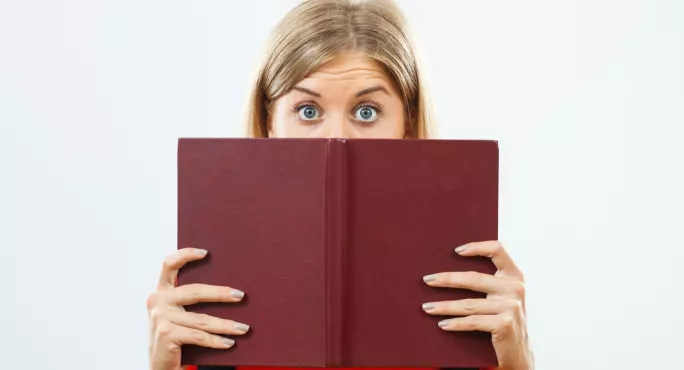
pixel 494 250
pixel 486 323
pixel 475 281
pixel 466 307
pixel 209 324
pixel 176 260
pixel 194 293
pixel 179 335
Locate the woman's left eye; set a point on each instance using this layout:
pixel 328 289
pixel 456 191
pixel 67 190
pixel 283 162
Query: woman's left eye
pixel 366 114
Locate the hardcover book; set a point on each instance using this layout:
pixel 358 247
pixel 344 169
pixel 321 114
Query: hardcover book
pixel 330 239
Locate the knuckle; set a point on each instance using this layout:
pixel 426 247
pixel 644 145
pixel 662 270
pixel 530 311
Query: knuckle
pixel 519 289
pixel 194 292
pixel 472 322
pixel 507 323
pixel 164 329
pixel 169 262
pixel 471 278
pixel 498 246
pixel 200 337
pixel 203 321
pixel 156 315
pixel 469 305
pixel 152 301
pixel 515 306
pixel 173 348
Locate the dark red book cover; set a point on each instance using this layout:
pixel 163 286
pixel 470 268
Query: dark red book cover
pixel 330 239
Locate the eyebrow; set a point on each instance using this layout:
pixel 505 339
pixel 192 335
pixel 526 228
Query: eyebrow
pixel 358 94
pixel 371 90
pixel 310 92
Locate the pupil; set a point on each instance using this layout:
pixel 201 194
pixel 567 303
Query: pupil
pixel 309 112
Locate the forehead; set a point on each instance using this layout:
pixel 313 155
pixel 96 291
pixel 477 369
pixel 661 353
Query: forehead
pixel 350 68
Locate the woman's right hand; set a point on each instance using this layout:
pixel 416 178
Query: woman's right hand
pixel 171 326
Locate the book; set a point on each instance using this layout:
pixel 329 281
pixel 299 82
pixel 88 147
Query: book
pixel 330 240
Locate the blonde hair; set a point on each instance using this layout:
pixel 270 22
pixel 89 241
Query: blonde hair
pixel 316 31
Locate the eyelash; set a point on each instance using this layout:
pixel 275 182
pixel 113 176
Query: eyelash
pixel 296 107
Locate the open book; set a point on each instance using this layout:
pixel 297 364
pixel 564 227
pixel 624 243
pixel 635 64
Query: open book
pixel 330 240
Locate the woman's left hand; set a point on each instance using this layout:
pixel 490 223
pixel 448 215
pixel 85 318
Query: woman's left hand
pixel 502 313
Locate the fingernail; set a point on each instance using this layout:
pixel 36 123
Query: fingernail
pixel 461 249
pixel 429 278
pixel 228 341
pixel 237 294
pixel 428 306
pixel 444 323
pixel 241 327
pixel 201 252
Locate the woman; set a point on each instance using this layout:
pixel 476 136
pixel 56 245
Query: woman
pixel 343 68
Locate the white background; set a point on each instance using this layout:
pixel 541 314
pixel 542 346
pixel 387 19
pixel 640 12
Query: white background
pixel 585 97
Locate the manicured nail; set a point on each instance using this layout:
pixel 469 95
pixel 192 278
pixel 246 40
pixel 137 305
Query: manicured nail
pixel 444 323
pixel 201 252
pixel 237 294
pixel 461 249
pixel 429 278
pixel 228 341
pixel 428 306
pixel 241 327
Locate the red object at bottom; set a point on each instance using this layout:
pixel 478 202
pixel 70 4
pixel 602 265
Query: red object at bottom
pixel 298 368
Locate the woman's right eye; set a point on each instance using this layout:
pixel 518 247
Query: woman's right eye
pixel 308 113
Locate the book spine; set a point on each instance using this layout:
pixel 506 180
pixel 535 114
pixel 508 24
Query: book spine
pixel 336 233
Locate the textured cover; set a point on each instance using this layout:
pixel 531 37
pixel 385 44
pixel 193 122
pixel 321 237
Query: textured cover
pixel 330 239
